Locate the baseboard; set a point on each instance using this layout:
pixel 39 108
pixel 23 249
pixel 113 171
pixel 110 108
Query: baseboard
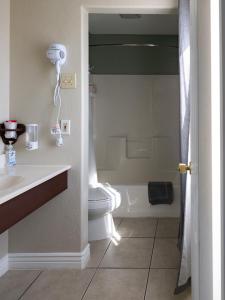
pixel 61 260
pixel 4 265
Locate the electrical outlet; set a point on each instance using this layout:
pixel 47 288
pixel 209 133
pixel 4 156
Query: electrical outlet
pixel 55 130
pixel 68 80
pixel 65 127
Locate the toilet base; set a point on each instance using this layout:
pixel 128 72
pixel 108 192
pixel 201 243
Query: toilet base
pixel 101 228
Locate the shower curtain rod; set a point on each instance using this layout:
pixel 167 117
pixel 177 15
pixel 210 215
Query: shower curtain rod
pixel 134 45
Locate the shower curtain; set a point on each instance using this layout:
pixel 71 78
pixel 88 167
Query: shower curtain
pixel 93 177
pixel 184 242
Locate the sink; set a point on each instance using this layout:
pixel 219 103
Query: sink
pixel 6 182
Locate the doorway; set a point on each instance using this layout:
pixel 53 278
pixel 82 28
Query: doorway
pixel 99 85
pixel 201 58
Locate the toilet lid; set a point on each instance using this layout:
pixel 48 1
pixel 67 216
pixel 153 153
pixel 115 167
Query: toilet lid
pixel 97 194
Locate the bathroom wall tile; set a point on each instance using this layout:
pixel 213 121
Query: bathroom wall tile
pixel 14 283
pixel 165 153
pixel 165 254
pixel 165 116
pixel 97 251
pixel 139 148
pixel 138 227
pixel 60 284
pixel 168 227
pixel 144 107
pixel 161 286
pixel 117 284
pixel 129 253
pixel 143 110
pixel 128 102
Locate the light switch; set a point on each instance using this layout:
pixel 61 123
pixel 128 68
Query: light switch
pixel 65 127
pixel 68 80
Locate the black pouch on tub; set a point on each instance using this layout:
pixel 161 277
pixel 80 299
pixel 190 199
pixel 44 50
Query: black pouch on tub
pixel 160 192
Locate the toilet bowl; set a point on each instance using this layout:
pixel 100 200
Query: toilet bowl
pixel 102 201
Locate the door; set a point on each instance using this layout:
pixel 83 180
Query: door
pixel 189 230
pixel 194 152
pixel 206 137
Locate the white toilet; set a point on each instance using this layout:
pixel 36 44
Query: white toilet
pixel 102 200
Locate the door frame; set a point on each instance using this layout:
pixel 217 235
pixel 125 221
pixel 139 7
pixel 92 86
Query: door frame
pixel 194 152
pixel 217 148
pixel 206 31
pixel 215 226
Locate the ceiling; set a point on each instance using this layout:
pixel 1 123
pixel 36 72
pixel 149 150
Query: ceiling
pixel 146 24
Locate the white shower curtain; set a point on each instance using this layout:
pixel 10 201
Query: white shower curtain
pixel 185 225
pixel 93 177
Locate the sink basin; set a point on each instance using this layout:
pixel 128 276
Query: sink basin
pixel 6 182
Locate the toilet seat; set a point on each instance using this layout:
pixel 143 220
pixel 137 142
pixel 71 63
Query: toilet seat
pixel 98 194
pixel 102 198
pixel 100 201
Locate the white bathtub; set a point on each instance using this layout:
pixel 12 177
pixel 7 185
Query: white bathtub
pixel 135 203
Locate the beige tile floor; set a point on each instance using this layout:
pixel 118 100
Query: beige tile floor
pixel 141 265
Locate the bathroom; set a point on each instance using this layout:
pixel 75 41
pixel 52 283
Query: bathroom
pixel 134 144
pixel 105 83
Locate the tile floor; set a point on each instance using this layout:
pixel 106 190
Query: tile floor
pixel 142 265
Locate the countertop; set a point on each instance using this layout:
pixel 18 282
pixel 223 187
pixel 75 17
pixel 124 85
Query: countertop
pixel 29 177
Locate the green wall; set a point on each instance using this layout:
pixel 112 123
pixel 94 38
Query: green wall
pixel 134 60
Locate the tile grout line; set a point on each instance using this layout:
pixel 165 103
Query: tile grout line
pixel 130 268
pixel 149 237
pixel 97 268
pixel 120 268
pixel 120 222
pixel 82 297
pixel 146 287
pixel 29 286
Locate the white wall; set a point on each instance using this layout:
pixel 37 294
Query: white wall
pixel 4 88
pixel 4 61
pixel 136 128
pixel 60 225
pixel 34 26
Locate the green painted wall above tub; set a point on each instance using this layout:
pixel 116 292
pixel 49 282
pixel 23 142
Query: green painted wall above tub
pixel 134 60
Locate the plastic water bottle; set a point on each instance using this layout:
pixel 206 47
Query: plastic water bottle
pixel 10 155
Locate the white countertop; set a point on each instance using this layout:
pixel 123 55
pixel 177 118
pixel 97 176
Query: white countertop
pixel 29 177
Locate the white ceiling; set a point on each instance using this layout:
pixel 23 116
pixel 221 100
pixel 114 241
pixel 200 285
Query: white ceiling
pixel 147 24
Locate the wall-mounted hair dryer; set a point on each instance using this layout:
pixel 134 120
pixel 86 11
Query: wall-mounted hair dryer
pixel 57 54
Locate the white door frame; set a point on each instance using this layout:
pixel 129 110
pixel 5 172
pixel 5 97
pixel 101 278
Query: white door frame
pixel 217 148
pixel 194 152
pixel 210 120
